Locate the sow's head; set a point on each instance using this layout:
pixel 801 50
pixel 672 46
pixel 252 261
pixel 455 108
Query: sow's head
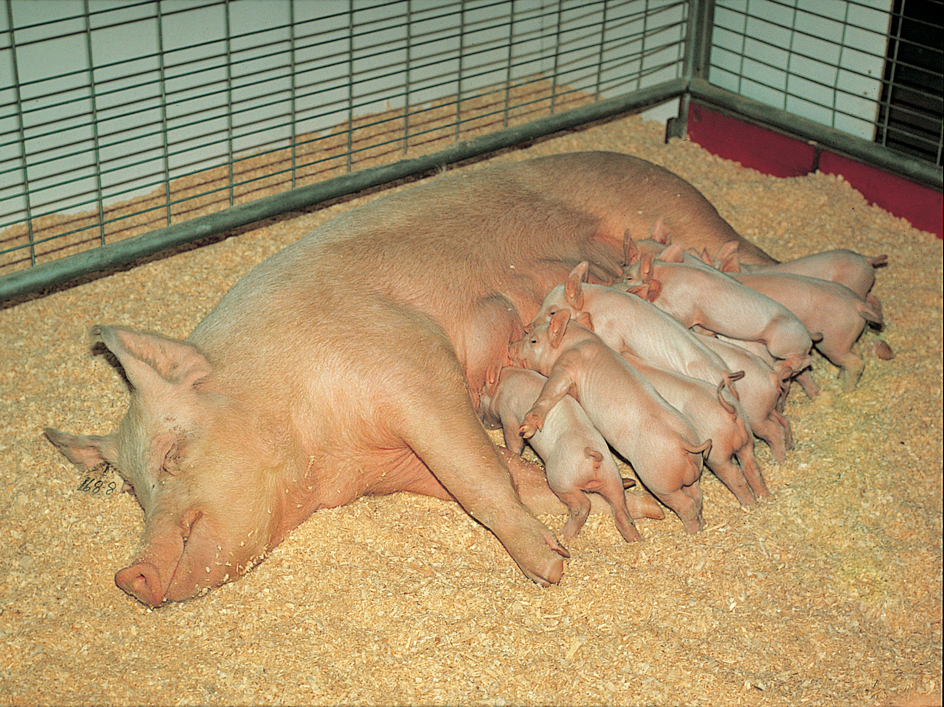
pixel 188 453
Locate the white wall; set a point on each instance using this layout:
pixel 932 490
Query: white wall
pixel 53 66
pixel 831 75
pixel 820 60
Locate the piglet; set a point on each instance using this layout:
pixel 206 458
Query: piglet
pixel 703 296
pixel 659 240
pixel 653 436
pixel 761 391
pixel 784 375
pixel 576 458
pixel 718 415
pixel 629 323
pixel 842 266
pixel 833 314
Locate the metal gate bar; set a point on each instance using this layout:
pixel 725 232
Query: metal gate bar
pixel 282 95
pixel 316 99
pixel 124 251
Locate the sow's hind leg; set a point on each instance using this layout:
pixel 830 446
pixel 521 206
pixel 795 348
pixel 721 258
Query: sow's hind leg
pixel 434 417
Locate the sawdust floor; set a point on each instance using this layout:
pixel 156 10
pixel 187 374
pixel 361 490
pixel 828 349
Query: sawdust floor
pixel 828 593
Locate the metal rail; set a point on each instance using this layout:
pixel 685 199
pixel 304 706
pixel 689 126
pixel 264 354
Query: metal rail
pixel 146 100
pixel 125 251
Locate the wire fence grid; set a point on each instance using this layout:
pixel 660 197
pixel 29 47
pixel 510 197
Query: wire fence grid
pixel 120 121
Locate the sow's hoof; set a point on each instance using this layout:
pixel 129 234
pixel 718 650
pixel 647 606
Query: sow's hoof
pixel 538 553
pixel 549 573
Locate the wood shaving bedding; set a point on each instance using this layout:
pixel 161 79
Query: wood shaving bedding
pixel 827 593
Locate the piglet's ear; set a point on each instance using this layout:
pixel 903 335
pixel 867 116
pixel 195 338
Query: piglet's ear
pixel 645 267
pixel 573 287
pixel 630 249
pixel 581 271
pixel 148 358
pixel 730 264
pixel 660 234
pixel 653 290
pixel 492 376
pixel 728 249
pixel 727 258
pixel 557 326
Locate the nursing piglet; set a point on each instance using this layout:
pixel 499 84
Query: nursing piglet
pixel 658 241
pixel 760 393
pixel 576 458
pixel 717 415
pixel 653 436
pixel 842 266
pixel 626 322
pixel 706 297
pixel 784 374
pixel 832 313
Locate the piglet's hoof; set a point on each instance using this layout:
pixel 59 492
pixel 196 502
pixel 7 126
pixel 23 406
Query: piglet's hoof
pixel 884 351
pixel 644 506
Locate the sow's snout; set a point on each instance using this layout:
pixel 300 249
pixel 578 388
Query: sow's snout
pixel 143 582
pixel 183 559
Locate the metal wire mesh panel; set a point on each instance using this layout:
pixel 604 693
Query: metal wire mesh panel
pixel 119 118
pixel 870 68
pixel 912 100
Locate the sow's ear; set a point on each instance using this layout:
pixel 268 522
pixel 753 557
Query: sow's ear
pixel 152 363
pixel 149 358
pixel 673 254
pixel 85 451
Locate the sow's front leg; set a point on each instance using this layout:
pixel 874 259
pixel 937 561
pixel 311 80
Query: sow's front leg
pixel 437 421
